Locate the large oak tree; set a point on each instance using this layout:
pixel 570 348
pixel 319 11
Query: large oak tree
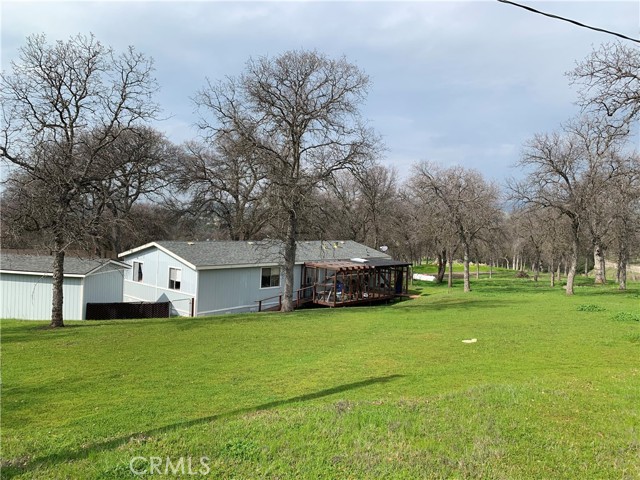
pixel 300 112
pixel 63 105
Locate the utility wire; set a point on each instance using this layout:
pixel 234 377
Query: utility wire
pixel 570 21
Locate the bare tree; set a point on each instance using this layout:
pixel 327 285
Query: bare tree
pixel 470 202
pixel 300 112
pixel 407 225
pixel 610 79
pixel 535 226
pixel 141 159
pixel 226 180
pixel 26 212
pixel 361 206
pixel 436 231
pixel 553 182
pixel 378 190
pixel 600 168
pixel 625 230
pixel 62 105
pixel 571 172
pixel 340 209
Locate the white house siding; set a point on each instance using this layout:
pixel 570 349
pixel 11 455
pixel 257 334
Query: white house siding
pixel 29 297
pixel 155 281
pixel 237 290
pixel 232 290
pixel 104 286
pixel 140 292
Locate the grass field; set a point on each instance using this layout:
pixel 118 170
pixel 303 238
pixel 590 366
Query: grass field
pixel 551 389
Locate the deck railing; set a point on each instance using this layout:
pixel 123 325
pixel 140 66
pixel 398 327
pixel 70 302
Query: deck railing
pixel 328 297
pixel 298 298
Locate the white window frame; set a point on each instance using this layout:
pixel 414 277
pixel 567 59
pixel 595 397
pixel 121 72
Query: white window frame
pixel 178 280
pixel 270 277
pixel 134 277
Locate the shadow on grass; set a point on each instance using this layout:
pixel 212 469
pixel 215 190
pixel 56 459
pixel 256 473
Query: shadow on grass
pixel 455 303
pixel 10 469
pixel 29 330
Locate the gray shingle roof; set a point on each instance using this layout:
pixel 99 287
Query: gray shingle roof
pixel 219 253
pixel 44 263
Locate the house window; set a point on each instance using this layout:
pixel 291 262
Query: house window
pixel 270 277
pixel 137 271
pixel 175 277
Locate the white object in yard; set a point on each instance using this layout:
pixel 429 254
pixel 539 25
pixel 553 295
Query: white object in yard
pixel 423 277
pixel 473 340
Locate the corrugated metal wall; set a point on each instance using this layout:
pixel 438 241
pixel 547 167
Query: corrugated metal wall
pixel 103 287
pixel 29 297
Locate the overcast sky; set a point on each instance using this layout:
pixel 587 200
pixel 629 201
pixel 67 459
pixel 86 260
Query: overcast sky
pixel 456 82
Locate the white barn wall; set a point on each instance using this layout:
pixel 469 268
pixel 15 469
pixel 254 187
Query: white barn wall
pixel 29 297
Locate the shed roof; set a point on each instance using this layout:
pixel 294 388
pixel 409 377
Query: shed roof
pixel 227 253
pixel 43 264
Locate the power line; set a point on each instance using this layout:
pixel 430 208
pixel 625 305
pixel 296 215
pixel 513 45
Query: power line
pixel 570 21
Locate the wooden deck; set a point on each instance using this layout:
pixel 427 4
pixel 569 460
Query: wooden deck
pixel 343 283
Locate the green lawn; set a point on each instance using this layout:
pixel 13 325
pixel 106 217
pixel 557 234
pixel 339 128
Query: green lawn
pixel 551 389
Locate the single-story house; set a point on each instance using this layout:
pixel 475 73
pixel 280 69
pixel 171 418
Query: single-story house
pixel 26 285
pixel 206 278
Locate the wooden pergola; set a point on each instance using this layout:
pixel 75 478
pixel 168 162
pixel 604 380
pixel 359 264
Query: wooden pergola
pixel 336 283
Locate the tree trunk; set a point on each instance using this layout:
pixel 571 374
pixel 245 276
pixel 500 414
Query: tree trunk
pixel 586 267
pixel 376 232
pixel 450 261
pixel 598 265
pixel 442 265
pixel 57 282
pixel 575 247
pixel 289 262
pixel 116 236
pixel 467 286
pixel 477 269
pixel 622 269
pixel 536 267
pixel 553 273
pixel 571 274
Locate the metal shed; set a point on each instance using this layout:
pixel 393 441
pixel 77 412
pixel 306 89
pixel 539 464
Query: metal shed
pixel 26 285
